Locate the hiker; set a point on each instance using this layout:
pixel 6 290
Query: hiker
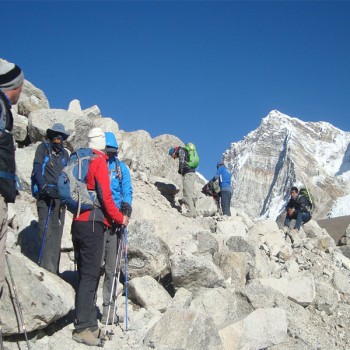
pixel 224 177
pixel 188 176
pixel 11 82
pixel 50 158
pixel 297 208
pixel 88 240
pixel 121 188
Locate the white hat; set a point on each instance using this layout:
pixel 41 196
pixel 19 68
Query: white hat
pixel 11 76
pixel 97 139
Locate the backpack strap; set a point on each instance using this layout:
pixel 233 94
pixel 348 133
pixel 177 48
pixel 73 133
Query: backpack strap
pixel 47 157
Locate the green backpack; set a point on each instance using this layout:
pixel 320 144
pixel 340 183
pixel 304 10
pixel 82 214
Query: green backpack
pixel 305 193
pixel 193 158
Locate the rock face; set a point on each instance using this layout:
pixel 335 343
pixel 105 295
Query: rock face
pixel 208 282
pixel 283 152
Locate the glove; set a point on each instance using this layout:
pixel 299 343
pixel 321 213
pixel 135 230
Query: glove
pixel 126 209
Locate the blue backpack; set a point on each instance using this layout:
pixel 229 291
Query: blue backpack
pixel 71 183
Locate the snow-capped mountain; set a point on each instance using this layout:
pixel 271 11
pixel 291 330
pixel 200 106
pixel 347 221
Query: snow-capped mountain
pixel 283 152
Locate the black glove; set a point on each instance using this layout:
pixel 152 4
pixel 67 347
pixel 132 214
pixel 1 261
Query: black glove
pixel 126 209
pixel 49 192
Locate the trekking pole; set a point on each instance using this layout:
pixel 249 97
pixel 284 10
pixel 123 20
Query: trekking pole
pixel 1 341
pixel 44 233
pixel 19 307
pixel 125 234
pixel 114 290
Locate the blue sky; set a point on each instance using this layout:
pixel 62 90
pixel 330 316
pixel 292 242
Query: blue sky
pixel 205 71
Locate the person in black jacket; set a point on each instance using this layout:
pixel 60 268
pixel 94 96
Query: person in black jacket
pixel 188 177
pixel 50 159
pixel 11 82
pixel 297 208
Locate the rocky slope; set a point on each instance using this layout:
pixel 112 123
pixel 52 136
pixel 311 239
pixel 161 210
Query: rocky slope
pixel 203 283
pixel 283 152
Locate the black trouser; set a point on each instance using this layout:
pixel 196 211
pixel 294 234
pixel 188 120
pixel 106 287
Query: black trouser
pixel 52 246
pixel 226 202
pixel 88 246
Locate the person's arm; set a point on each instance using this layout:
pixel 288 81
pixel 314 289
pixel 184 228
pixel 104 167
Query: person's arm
pixel 39 159
pixel 103 190
pixel 126 184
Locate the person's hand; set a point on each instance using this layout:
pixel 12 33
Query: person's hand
pixel 126 209
pixel 125 220
pixel 49 192
pixel 290 211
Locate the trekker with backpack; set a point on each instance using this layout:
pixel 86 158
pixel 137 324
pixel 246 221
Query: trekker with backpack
pixel 121 188
pixel 11 82
pixel 88 231
pixel 298 208
pixel 188 162
pixel 50 159
pixel 224 177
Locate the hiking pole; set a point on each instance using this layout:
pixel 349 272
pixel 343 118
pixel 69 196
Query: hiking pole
pixel 114 290
pixel 1 341
pixel 125 234
pixel 44 233
pixel 19 307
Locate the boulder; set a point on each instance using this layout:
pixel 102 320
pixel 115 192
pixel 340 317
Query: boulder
pixel 148 293
pixel 20 127
pixel 195 331
pixel 192 272
pixel 44 297
pixel 260 329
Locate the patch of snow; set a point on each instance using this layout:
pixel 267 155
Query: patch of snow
pixel 340 207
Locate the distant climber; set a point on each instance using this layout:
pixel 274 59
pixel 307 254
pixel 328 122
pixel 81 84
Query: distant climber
pixel 224 178
pixel 188 162
pixel 298 208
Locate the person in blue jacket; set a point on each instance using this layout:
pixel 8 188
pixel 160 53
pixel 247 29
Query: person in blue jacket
pixel 224 177
pixel 121 187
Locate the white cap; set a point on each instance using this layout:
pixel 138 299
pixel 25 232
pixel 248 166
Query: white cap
pixel 97 139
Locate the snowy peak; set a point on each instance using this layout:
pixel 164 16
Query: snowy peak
pixel 285 151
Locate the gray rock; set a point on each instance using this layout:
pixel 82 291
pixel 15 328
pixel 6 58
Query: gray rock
pixel 31 99
pixel 196 332
pixel 148 293
pixel 327 298
pixel 260 329
pixel 20 127
pixel 193 273
pixel 44 297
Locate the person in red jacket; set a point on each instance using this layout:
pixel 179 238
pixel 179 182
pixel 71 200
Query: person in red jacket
pixel 88 239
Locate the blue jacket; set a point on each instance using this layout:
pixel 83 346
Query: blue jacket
pixel 224 177
pixel 121 193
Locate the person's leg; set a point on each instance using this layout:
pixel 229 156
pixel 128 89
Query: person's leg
pixel 306 217
pixel 226 202
pixel 109 267
pixel 52 246
pixel 299 221
pixel 89 243
pixel 3 235
pixel 287 220
pixel 188 192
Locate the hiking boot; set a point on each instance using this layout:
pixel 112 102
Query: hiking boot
pixel 97 332
pixel 86 337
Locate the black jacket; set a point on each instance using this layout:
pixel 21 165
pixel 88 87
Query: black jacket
pixel 7 150
pixel 300 204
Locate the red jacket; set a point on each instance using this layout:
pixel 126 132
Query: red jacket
pixel 97 179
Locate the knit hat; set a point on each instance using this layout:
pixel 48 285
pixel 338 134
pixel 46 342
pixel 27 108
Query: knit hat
pixel 97 139
pixel 11 76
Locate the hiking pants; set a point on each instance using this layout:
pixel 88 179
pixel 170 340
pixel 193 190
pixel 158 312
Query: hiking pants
pixel 188 191
pixel 88 246
pixel 53 237
pixel 3 235
pixel 226 202
pixel 301 218
pixel 110 259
